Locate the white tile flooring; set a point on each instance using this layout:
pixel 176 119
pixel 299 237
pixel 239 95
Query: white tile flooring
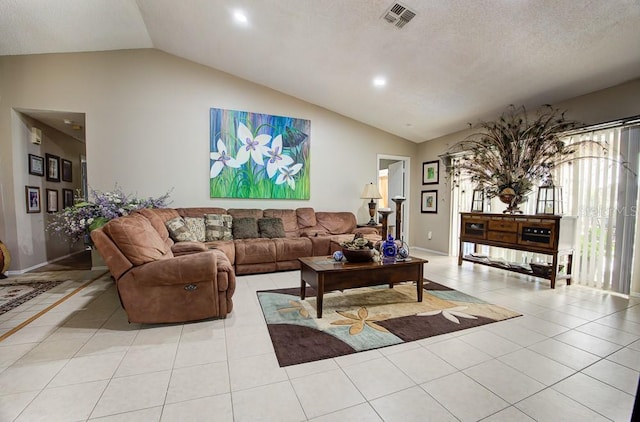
pixel 574 356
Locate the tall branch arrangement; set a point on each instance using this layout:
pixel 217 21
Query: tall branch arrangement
pixel 515 151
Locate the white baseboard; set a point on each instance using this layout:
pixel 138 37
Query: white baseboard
pixel 26 270
pixel 431 251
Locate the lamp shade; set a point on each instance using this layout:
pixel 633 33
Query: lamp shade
pixel 370 192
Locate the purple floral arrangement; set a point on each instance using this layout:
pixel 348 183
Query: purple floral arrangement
pixel 77 221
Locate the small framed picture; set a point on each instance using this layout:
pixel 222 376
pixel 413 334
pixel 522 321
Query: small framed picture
pixel 429 201
pixel 33 199
pixel 36 165
pixel 53 167
pixel 67 167
pixel 67 198
pixel 52 200
pixel 431 172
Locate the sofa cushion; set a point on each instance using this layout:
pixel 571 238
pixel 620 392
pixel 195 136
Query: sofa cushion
pixel 218 227
pixel 199 211
pixel 179 231
pixel 245 212
pixel 137 239
pixel 306 217
pixel 157 217
pixel 337 222
pixel 196 227
pixel 245 228
pixel 271 227
pixel 289 220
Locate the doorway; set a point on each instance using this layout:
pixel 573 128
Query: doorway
pixel 393 182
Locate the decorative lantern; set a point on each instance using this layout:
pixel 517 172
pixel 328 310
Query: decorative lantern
pixel 477 201
pixel 549 200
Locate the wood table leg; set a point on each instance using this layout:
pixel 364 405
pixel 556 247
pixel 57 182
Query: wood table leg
pixel 303 287
pixel 319 296
pixel 420 283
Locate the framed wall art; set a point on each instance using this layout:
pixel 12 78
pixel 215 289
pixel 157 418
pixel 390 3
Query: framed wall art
pixel 52 200
pixel 36 165
pixel 429 201
pixel 431 172
pixel 258 156
pixel 67 198
pixel 32 194
pixel 53 167
pixel 67 168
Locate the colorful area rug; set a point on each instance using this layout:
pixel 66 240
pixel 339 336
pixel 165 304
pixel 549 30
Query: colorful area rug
pixel 367 318
pixel 14 294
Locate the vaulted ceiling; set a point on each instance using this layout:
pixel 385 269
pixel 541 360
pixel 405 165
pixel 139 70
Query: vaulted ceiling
pixel 456 61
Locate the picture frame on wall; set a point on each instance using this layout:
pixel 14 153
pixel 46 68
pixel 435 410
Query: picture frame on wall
pixel 52 200
pixel 429 201
pixel 67 171
pixel 67 198
pixel 36 165
pixel 53 167
pixel 431 172
pixel 32 195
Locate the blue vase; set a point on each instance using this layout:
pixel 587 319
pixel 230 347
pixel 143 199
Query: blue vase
pixel 389 250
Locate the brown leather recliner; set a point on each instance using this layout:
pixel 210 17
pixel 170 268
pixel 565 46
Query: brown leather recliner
pixel 154 285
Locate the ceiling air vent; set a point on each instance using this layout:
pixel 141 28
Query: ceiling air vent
pixel 398 15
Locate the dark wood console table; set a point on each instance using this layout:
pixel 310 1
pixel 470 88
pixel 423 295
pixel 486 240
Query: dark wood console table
pixel 529 233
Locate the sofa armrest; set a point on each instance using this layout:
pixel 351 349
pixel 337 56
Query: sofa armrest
pixel 184 248
pixel 191 268
pixel 365 230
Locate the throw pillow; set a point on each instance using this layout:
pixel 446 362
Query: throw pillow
pixel 196 227
pixel 179 231
pixel 218 227
pixel 271 227
pixel 245 228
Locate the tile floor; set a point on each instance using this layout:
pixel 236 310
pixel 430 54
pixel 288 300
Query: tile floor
pixel 574 355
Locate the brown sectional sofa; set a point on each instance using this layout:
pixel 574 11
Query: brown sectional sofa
pixel 160 281
pixel 307 233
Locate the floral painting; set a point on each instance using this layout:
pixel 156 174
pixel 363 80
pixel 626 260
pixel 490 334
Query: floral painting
pixel 259 156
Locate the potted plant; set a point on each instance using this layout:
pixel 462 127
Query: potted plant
pixel 509 156
pixel 75 222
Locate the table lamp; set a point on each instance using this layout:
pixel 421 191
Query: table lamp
pixel 371 192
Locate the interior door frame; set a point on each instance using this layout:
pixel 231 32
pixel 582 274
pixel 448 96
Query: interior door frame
pixel 406 205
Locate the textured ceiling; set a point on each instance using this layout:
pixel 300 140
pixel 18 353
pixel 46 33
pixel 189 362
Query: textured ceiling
pixel 457 61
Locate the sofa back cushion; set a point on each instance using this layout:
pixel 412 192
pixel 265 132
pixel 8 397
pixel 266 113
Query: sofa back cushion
pixel 289 220
pixel 199 211
pixel 337 222
pixel 306 217
pixel 137 239
pixel 245 212
pixel 157 217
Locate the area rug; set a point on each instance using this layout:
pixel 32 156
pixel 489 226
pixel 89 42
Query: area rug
pixel 14 294
pixel 367 318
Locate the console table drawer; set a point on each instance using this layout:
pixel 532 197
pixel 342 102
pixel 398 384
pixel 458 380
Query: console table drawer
pixel 503 226
pixel 502 237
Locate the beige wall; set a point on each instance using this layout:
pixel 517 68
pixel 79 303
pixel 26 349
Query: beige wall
pixel 147 125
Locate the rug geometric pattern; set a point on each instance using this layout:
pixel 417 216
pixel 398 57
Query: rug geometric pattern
pixel 367 318
pixel 15 293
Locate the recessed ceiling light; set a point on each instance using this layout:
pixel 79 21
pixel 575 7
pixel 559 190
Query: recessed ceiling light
pixel 379 81
pixel 240 17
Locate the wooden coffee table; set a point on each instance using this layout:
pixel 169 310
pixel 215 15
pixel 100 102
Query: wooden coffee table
pixel 324 275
